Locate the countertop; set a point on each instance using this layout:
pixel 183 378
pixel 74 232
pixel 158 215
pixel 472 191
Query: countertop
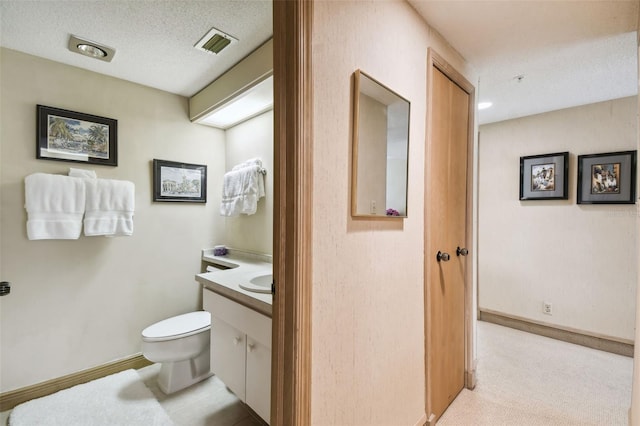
pixel 242 267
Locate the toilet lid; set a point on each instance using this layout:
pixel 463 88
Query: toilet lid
pixel 179 325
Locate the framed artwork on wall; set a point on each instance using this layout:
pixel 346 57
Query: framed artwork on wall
pixel 73 136
pixel 182 182
pixel 608 178
pixel 544 177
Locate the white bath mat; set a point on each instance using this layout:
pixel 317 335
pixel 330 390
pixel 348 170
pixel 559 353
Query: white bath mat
pixel 121 399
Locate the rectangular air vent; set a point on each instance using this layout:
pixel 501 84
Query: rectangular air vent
pixel 214 41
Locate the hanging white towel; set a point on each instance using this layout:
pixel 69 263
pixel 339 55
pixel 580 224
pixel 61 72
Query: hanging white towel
pixel 54 204
pixel 109 208
pixel 243 186
pixel 250 163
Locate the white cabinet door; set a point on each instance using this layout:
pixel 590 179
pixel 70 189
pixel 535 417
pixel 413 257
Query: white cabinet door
pixel 258 383
pixel 228 355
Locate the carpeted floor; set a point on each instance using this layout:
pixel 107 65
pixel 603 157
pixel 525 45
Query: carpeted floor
pixel 525 379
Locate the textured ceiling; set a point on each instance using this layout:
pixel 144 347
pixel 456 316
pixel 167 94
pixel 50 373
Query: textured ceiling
pixel 570 52
pixel 153 39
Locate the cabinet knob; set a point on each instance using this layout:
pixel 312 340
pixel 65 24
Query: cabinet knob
pixel 236 340
pixel 250 347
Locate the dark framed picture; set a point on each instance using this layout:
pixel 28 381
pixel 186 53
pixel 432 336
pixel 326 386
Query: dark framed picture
pixel 173 181
pixel 608 178
pixel 73 136
pixel 544 177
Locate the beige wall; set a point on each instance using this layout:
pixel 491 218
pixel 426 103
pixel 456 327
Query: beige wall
pixel 581 258
pixel 634 412
pixel 252 139
pixel 81 303
pixel 368 300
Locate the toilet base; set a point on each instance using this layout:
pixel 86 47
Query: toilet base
pixel 178 375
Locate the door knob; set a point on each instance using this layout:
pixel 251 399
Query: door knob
pixel 442 256
pixel 462 251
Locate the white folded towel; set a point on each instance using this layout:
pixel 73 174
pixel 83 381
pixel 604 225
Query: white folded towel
pixel 251 162
pixel 109 207
pixel 243 186
pixel 82 173
pixel 54 204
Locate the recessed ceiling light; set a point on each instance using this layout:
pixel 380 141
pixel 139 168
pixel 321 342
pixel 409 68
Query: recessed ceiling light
pixel 484 105
pixel 91 49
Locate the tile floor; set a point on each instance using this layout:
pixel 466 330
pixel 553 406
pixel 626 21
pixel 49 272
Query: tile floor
pixel 208 403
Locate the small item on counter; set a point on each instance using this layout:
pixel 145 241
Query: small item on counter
pixel 219 251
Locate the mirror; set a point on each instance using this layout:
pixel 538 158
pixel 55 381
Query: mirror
pixel 380 150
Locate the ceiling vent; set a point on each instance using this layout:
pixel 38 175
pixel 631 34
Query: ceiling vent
pixel 214 41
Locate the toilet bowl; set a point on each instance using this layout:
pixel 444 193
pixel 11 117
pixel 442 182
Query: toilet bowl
pixel 181 345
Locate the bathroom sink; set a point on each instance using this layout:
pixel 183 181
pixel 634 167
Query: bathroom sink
pixel 259 284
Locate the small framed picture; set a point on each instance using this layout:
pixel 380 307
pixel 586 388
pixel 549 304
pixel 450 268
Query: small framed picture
pixel 608 178
pixel 73 136
pixel 173 181
pixel 544 177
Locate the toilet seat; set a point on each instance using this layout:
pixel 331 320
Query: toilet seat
pixel 178 327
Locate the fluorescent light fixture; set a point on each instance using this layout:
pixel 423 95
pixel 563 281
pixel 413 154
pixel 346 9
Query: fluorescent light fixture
pixel 484 105
pixel 91 49
pixel 247 105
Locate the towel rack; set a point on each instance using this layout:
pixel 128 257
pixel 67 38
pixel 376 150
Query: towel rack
pixel 263 170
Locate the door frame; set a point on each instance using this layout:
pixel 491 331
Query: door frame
pixel 292 219
pixel 436 60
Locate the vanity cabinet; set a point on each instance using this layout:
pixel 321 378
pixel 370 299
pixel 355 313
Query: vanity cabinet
pixel 241 350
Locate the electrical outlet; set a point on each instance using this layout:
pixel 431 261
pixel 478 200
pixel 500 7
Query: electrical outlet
pixel 372 210
pixel 547 308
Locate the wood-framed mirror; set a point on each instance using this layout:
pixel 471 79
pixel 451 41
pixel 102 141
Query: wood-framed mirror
pixel 380 150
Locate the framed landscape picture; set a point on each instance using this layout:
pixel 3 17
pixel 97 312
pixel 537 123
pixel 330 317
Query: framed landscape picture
pixel 608 178
pixel 544 177
pixel 173 181
pixel 73 136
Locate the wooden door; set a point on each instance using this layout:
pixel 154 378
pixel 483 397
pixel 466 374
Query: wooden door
pixel 446 213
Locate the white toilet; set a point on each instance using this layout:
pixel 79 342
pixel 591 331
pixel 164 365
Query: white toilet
pixel 181 344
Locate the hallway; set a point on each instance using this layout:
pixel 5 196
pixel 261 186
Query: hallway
pixel 526 379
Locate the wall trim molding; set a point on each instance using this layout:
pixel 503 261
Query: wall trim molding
pixel 8 400
pixel 584 338
pixel 292 217
pixel 422 421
